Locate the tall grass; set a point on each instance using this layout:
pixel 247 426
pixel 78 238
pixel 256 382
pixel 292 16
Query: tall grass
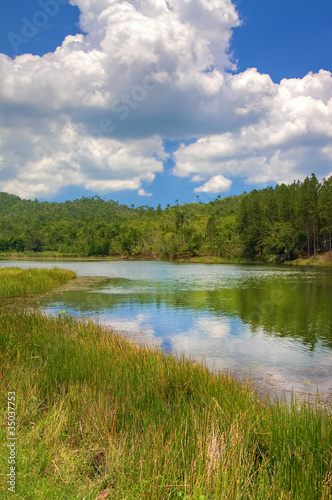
pixel 47 255
pixel 97 413
pixel 322 260
pixel 15 282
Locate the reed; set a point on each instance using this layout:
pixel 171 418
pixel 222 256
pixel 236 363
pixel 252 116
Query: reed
pixel 47 255
pixel 16 282
pixel 97 413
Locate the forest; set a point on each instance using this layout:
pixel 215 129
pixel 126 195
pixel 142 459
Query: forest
pixel 273 224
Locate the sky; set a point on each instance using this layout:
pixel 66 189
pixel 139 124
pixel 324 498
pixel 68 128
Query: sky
pixel 152 101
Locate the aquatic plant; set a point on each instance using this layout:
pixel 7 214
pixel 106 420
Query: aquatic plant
pixel 15 281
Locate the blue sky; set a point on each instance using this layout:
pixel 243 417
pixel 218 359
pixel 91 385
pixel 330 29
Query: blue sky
pixel 285 39
pixel 147 102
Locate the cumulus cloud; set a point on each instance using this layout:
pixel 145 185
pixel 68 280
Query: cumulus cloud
pixel 217 184
pixel 59 155
pixel 290 139
pixel 142 192
pixel 94 112
pixel 89 112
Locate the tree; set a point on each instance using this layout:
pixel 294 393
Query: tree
pixel 307 211
pixel 325 212
pixel 281 241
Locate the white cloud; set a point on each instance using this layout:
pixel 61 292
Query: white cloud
pixel 197 178
pixel 61 157
pixel 142 192
pixel 217 184
pixel 327 151
pixel 289 138
pixel 88 113
pixel 93 113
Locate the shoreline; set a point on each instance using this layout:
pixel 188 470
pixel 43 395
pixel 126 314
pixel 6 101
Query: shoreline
pixel 324 260
pixel 267 386
pixel 273 385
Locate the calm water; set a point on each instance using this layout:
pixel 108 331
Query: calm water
pixel 277 319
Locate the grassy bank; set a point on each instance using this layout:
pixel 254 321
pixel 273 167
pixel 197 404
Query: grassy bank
pixel 215 260
pixel 15 282
pixel 96 413
pixel 322 260
pixel 44 256
pixel 55 256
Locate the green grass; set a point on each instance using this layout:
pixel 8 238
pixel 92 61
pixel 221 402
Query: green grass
pixel 96 412
pixel 15 282
pixel 48 255
pixel 56 256
pixel 215 260
pixel 323 260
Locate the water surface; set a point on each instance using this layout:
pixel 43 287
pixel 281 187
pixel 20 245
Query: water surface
pixel 277 320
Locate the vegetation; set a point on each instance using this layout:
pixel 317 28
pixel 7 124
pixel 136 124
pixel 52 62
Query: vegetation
pixel 94 227
pixel 274 224
pixel 288 221
pixel 91 418
pixel 324 260
pixel 15 281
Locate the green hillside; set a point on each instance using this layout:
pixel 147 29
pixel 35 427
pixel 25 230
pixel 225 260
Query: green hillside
pixel 273 224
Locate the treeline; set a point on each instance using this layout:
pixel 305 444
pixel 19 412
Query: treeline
pixel 274 223
pixel 287 221
pixel 95 227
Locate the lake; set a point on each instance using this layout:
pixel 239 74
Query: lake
pixel 274 320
